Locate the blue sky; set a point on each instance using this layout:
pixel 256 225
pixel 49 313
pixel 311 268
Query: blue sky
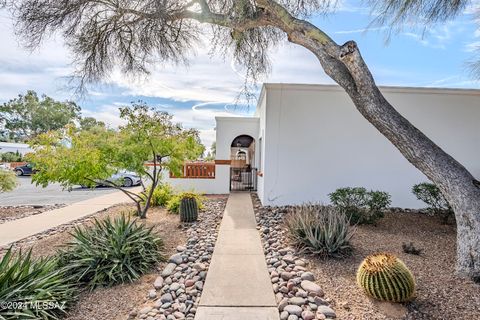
pixel 208 86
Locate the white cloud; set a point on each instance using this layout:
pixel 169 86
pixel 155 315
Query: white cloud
pixel 347 6
pixel 215 80
pixel 109 114
pixel 201 117
pixel 361 30
pixel 472 47
pixel 473 7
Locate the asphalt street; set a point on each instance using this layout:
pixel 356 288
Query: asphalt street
pixel 29 194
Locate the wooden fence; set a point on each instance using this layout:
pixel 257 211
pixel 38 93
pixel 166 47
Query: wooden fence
pixel 13 165
pixel 197 170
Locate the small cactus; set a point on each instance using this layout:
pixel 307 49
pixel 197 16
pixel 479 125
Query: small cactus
pixel 188 209
pixel 385 277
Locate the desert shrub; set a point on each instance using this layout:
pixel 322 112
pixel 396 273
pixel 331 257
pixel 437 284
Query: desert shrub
pixel 433 197
pixel 361 206
pixel 8 180
pixel 319 230
pixel 161 195
pixel 11 157
pixel 33 288
pixel 173 205
pixel 410 248
pixel 110 252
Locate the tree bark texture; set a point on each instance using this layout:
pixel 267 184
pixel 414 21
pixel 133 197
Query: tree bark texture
pixel 345 65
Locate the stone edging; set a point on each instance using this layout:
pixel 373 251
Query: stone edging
pixel 176 292
pixel 296 293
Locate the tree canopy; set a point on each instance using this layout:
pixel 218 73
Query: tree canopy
pixel 88 157
pixel 133 34
pixel 29 115
pixel 87 123
pixel 8 180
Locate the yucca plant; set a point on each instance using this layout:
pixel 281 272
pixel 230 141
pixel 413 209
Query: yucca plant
pixel 111 252
pixel 33 288
pixel 320 230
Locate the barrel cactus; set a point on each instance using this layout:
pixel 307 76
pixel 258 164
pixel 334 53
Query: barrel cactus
pixel 385 277
pixel 188 209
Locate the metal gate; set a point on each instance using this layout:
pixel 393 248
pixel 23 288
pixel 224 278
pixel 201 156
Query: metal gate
pixel 243 179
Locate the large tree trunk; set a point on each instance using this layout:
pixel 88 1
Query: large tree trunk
pixel 344 64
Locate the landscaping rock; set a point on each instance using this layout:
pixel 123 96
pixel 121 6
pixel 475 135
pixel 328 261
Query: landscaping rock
pixel 176 258
pixel 327 311
pixel 312 287
pixel 296 293
pixel 158 284
pixel 297 301
pixel 308 276
pixel 293 309
pixel 169 269
pixel 181 282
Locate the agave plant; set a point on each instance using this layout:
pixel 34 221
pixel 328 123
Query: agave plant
pixel 33 289
pixel 320 230
pixel 111 252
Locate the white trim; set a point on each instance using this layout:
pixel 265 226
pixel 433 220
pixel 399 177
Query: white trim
pixel 395 89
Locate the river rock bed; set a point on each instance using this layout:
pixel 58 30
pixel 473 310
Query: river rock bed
pixel 296 293
pixel 176 292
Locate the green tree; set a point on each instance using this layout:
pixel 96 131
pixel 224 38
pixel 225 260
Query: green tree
pixel 88 157
pixel 211 154
pixel 213 149
pixel 87 123
pixel 29 115
pixel 105 35
pixel 8 180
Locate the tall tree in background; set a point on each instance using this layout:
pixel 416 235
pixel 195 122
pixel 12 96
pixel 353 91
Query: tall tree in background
pixel 92 156
pixel 88 123
pixel 106 34
pixel 29 115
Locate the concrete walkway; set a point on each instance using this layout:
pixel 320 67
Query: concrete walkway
pixel 23 228
pixel 238 285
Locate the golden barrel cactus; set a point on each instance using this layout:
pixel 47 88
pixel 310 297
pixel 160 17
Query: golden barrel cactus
pixel 385 277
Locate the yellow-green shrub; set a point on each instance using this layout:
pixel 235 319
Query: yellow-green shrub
pixel 161 195
pixel 173 205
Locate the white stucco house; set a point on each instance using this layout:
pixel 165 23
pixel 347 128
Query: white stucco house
pixel 305 141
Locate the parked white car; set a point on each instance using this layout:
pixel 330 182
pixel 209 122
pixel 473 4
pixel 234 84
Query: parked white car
pixel 124 179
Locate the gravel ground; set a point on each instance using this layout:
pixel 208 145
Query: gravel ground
pixel 117 302
pixel 176 292
pixel 440 295
pixel 10 213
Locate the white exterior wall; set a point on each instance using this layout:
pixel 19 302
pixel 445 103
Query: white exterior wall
pixel 316 141
pixel 228 128
pixel 260 156
pixel 22 148
pixel 219 185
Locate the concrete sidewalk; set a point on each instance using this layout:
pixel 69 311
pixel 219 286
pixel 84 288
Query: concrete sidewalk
pixel 238 285
pixel 15 230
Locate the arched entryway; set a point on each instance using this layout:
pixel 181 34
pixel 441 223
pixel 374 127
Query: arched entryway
pixel 243 174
